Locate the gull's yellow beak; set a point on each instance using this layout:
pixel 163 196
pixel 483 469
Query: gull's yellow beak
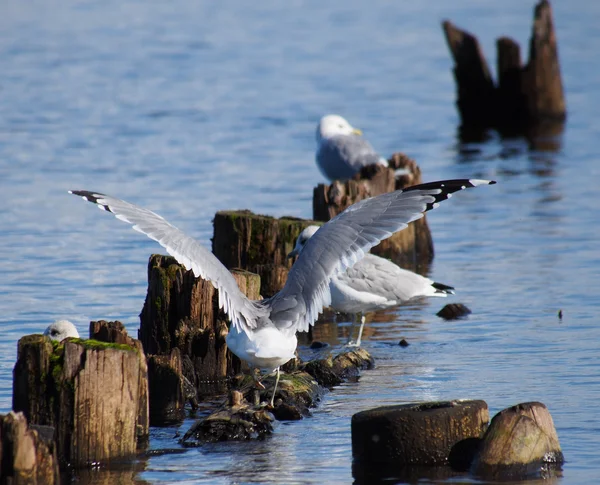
pixel 356 131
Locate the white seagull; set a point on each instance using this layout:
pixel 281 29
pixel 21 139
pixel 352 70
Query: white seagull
pixel 263 332
pixel 373 283
pixel 60 330
pixel 341 150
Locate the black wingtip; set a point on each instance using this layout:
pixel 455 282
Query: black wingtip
pixel 94 197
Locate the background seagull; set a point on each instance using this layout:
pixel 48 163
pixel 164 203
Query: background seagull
pixel 373 283
pixel 263 332
pixel 60 330
pixel 341 150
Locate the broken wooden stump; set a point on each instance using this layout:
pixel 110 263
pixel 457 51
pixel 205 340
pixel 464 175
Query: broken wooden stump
pixel 27 456
pixel 182 312
pixel 246 416
pixel 415 434
pixel 527 100
pixel 88 390
pixel 114 332
pixel 520 443
pixel 257 243
pixel 411 248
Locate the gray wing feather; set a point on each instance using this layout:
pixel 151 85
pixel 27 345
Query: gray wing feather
pixel 381 277
pixel 244 314
pixel 341 156
pixel 344 240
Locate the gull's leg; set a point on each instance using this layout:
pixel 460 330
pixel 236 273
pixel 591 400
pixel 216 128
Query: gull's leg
pixel 275 387
pixel 356 343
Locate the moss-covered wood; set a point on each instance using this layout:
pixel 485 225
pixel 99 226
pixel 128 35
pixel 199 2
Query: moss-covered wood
pixel 521 442
pixel 166 383
pixel 27 456
pixel 113 332
pixel 89 391
pixel 182 312
pixel 526 100
pixel 246 416
pixel 411 248
pixel 258 244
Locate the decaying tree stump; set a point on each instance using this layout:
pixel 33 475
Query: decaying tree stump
pixel 182 312
pixel 528 100
pixel 411 248
pixel 416 434
pixel 26 455
pixel 88 390
pixel 520 443
pixel 258 244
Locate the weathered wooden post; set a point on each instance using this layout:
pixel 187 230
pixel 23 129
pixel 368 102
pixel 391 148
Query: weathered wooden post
pixel 182 312
pixel 411 248
pixel 528 100
pixel 415 434
pixel 88 390
pixel 258 244
pixel 27 456
pixel 521 442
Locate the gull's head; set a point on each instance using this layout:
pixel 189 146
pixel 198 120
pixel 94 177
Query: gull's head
pixel 60 330
pixel 333 125
pixel 302 240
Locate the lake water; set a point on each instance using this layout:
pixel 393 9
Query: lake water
pixel 192 107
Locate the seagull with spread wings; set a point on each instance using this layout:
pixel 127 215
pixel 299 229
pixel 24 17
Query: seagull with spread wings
pixel 263 332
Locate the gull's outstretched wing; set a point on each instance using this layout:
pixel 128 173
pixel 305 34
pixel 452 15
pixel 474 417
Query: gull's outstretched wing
pixel 244 314
pixel 341 156
pixel 345 239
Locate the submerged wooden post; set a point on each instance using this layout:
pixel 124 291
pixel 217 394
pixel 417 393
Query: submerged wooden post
pixel 182 312
pixel 521 442
pixel 528 100
pixel 416 434
pixel 412 248
pixel 88 390
pixel 26 455
pixel 258 244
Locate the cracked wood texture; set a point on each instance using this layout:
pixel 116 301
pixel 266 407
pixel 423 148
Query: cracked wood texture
pixel 90 392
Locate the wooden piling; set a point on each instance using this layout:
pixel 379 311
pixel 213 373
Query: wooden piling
pixel 258 244
pixel 27 456
pixel 411 248
pixel 416 434
pixel 182 312
pixel 88 390
pixel 527 100
pixel 521 442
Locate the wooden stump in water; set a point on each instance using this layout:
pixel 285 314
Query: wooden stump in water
pixel 411 248
pixel 88 390
pixel 256 243
pixel 416 434
pixel 27 456
pixel 182 312
pixel 114 332
pixel 528 100
pixel 520 443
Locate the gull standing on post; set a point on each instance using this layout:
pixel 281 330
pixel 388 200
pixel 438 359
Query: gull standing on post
pixel 373 283
pixel 341 150
pixel 263 332
pixel 60 330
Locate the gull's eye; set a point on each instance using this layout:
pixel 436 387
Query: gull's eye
pixel 54 332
